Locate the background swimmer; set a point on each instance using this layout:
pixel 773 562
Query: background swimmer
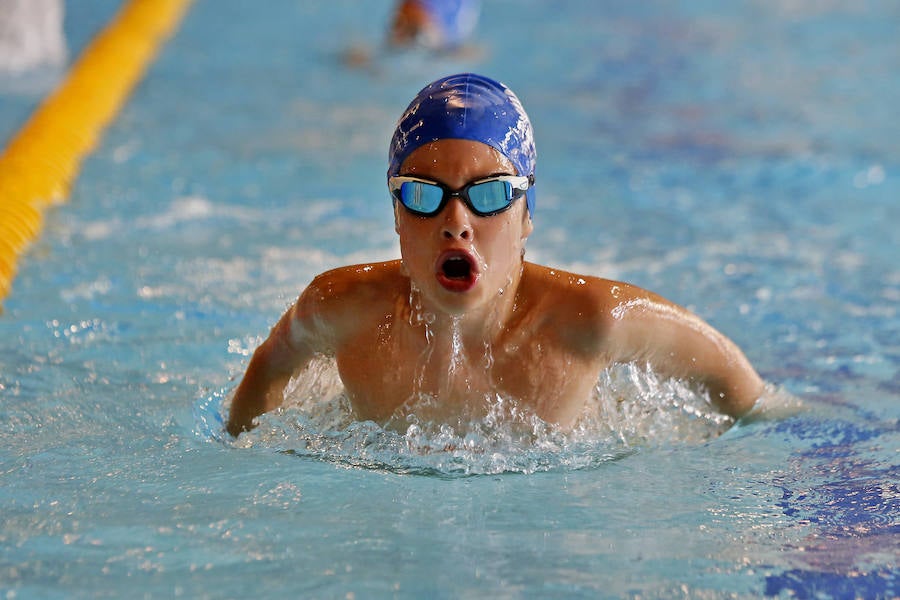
pixel 462 319
pixel 433 24
pixel 440 26
pixel 31 35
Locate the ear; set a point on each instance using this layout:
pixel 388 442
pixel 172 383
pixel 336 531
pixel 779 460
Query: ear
pixel 396 218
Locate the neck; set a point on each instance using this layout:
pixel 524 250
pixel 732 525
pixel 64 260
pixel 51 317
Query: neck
pixel 475 328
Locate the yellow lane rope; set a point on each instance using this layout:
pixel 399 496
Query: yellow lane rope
pixel 41 161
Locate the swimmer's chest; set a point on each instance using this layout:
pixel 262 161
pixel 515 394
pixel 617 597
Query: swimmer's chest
pixel 381 373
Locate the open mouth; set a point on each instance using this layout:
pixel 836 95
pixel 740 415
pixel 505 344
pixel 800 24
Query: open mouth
pixel 456 271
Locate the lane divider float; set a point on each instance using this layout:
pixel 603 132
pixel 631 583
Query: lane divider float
pixel 42 159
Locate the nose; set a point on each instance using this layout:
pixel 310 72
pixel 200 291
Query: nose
pixel 456 223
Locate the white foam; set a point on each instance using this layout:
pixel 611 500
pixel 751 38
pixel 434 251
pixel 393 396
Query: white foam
pixel 630 409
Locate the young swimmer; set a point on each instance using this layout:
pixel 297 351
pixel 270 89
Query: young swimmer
pixel 462 319
pixel 433 24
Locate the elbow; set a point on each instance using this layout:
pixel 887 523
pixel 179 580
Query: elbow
pixel 736 398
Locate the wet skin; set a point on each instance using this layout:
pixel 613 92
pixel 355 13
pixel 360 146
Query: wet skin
pixel 462 318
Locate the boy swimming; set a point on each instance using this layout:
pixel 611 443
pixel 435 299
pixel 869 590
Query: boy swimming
pixel 462 318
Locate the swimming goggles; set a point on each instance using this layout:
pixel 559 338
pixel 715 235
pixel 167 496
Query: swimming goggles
pixel 484 197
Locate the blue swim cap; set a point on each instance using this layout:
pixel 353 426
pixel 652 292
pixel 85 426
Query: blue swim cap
pixel 467 107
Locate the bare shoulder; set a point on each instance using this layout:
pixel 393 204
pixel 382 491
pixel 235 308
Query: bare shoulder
pixel 354 284
pixel 341 300
pixel 583 308
pixel 591 296
pixel 620 322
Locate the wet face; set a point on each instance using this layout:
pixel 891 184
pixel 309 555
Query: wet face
pixel 458 260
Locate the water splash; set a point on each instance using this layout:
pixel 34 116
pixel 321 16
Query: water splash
pixel 630 409
pixel 639 408
pixel 457 353
pixel 487 357
pixel 418 316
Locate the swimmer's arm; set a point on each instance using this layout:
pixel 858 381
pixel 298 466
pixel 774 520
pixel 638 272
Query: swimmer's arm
pixel 288 349
pixel 677 343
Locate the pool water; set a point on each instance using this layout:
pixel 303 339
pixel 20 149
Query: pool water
pixel 738 158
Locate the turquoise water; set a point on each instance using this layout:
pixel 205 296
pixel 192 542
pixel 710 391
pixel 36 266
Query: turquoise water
pixel 740 159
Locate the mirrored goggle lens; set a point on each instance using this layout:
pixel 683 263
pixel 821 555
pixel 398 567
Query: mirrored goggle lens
pixel 490 196
pixel 420 197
